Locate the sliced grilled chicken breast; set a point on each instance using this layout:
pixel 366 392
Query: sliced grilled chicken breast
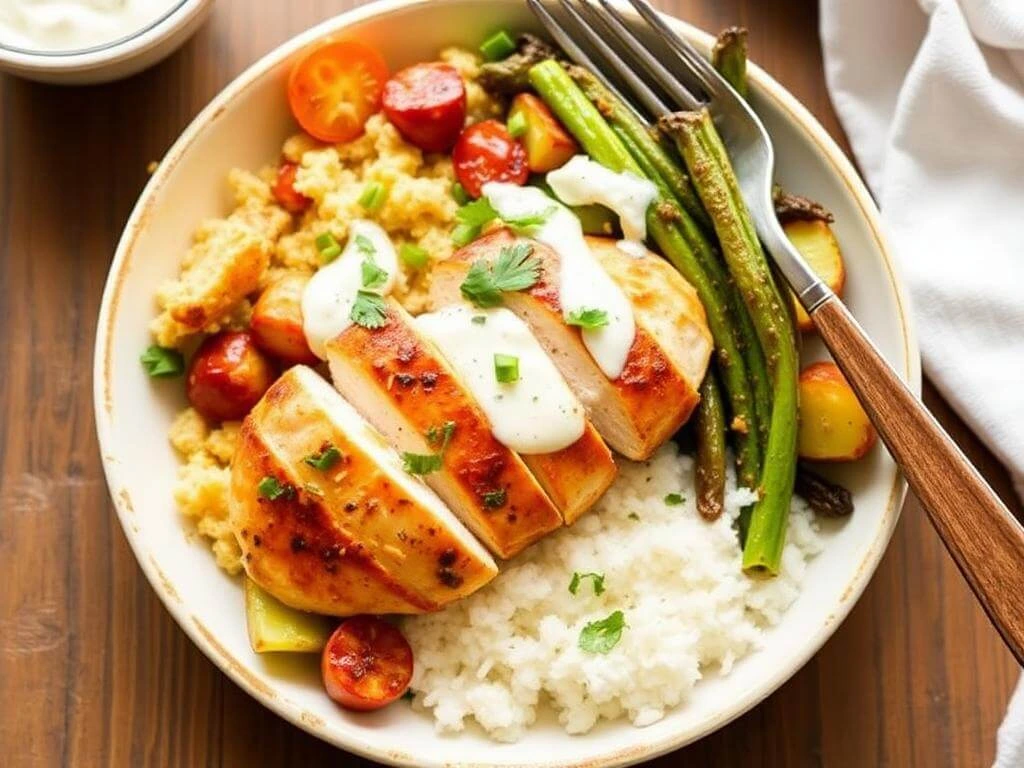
pixel 348 533
pixel 400 380
pixel 657 391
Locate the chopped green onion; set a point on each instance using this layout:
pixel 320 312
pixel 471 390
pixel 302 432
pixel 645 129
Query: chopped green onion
pixel 413 255
pixel 506 368
pixel 464 234
pixel 162 362
pixel 328 456
pixel 373 196
pixel 674 499
pixel 460 194
pixel 498 46
pixel 517 125
pixel 272 489
pixel 328 246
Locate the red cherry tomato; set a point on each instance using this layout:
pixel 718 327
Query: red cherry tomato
pixel 367 664
pixel 336 88
pixel 284 190
pixel 227 376
pixel 487 152
pixel 427 103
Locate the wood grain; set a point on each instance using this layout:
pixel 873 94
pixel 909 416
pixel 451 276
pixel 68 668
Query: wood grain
pixel 982 536
pixel 93 672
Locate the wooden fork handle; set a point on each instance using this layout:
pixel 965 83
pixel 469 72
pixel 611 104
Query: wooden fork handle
pixel 981 534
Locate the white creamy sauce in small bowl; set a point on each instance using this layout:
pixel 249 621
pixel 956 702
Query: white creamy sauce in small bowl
pixel 67 25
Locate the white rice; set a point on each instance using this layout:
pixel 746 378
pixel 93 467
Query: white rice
pixel 500 655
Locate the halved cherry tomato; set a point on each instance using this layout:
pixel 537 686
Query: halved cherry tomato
pixel 367 664
pixel 284 190
pixel 487 152
pixel 427 103
pixel 336 88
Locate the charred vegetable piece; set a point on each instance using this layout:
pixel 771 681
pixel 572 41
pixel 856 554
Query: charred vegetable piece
pixel 833 424
pixel 548 146
pixel 796 208
pixel 710 450
pixel 335 89
pixel 511 75
pixel 427 104
pixel 367 664
pixel 824 497
pixel 487 152
pixel 713 176
pixel 273 626
pixel 227 376
pixel 729 57
pixel 820 249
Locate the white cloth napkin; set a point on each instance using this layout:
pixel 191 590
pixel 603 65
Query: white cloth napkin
pixel 931 93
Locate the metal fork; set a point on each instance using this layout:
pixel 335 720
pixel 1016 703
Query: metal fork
pixel 981 534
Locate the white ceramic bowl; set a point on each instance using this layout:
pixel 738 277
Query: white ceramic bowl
pixel 244 127
pixel 116 59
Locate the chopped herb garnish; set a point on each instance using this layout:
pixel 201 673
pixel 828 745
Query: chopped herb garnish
pixel 369 310
pixel 373 197
pixel 325 459
pixel 588 319
pixel 365 246
pixel 597 579
pixel 273 489
pixel 464 234
pixel 373 276
pixel 633 516
pixel 675 499
pixel 530 219
pixel 442 434
pixel 328 247
pixel 313 489
pixel 495 499
pixel 602 635
pixel 460 194
pixel 413 255
pixel 506 368
pixel 421 464
pixel 517 125
pixel 162 362
pixel 479 319
pixel 498 46
pixel 514 270
pixel 473 216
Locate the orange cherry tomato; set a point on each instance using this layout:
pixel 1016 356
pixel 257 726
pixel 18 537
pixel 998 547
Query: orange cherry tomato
pixel 284 190
pixel 367 664
pixel 487 152
pixel 335 89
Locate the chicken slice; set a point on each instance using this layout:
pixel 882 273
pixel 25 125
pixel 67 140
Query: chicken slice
pixel 355 534
pixel 401 381
pixel 657 390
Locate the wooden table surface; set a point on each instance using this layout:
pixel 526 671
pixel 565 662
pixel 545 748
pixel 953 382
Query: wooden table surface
pixel 94 672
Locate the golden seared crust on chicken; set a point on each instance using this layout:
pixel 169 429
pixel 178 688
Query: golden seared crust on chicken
pixel 350 533
pixel 400 381
pixel 657 390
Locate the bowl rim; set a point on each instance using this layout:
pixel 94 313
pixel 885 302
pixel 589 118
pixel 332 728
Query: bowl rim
pixel 178 14
pixel 833 157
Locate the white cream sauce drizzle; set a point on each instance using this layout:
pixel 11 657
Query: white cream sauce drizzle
pixel 536 414
pixel 583 283
pixel 328 297
pixel 581 181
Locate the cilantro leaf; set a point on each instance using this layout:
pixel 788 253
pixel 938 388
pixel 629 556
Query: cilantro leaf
pixel 588 319
pixel 513 270
pixel 442 434
pixel 602 635
pixel 531 219
pixel 421 464
pixel 596 578
pixel 273 489
pixel 365 246
pixel 495 499
pixel 477 213
pixel 369 310
pixel 162 363
pixel 675 499
pixel 325 459
pixel 373 276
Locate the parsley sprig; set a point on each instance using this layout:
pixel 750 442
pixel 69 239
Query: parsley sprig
pixel 597 579
pixel 473 217
pixel 588 319
pixel 602 635
pixel 369 309
pixel 515 269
